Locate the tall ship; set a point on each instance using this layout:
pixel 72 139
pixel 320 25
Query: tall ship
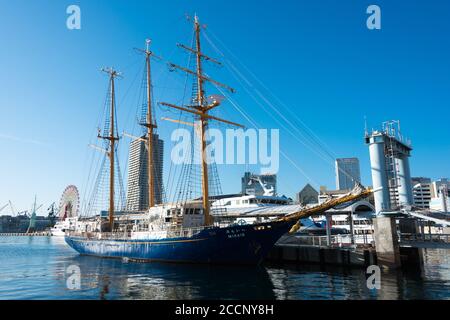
pixel 187 231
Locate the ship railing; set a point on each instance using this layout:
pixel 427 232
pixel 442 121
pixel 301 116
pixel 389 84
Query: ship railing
pixel 184 232
pixel 120 235
pixel 94 235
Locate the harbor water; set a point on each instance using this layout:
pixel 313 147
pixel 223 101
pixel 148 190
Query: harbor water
pixel 46 268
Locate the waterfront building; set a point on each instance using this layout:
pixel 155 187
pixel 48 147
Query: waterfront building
pixel 437 204
pixel 21 222
pixel 308 195
pixel 421 192
pixel 440 195
pixel 347 173
pixel 354 219
pixel 259 184
pixel 437 185
pixel 137 191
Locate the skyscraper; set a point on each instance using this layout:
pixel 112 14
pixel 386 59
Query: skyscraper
pixel 137 194
pixel 347 173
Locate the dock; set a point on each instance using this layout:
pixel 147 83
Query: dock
pixel 34 234
pixel 315 250
pixel 338 250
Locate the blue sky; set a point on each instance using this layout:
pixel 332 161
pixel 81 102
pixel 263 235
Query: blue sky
pixel 316 56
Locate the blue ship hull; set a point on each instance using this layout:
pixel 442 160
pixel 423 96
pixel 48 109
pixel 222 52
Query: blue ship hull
pixel 247 244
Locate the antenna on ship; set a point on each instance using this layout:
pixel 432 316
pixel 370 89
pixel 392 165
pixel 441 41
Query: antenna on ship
pixel 150 124
pixel 201 109
pixel 112 138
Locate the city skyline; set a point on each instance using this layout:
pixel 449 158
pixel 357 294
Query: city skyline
pixel 45 134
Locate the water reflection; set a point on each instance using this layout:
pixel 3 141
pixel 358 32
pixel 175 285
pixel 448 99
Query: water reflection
pixel 318 282
pixel 171 281
pixel 38 268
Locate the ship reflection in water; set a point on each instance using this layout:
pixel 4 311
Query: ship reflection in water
pixel 115 279
pixel 37 268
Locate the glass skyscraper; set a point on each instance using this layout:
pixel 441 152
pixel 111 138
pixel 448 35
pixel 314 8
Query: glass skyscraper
pixel 137 193
pixel 347 173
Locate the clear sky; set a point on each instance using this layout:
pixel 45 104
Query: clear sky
pixel 316 56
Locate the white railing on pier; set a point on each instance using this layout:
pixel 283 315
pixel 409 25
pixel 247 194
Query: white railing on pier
pixel 344 240
pixel 339 240
pixel 424 237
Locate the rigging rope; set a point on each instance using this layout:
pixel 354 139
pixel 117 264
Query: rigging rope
pixel 323 151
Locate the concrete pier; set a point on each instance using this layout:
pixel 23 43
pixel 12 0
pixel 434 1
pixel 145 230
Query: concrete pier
pixel 410 256
pixel 293 253
pixel 386 242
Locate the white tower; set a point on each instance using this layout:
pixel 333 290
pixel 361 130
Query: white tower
pixel 389 159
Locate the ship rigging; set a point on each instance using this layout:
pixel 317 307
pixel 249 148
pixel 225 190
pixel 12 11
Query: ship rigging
pixel 201 109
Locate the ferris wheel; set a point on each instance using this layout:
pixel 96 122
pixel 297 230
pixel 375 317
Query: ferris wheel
pixel 69 203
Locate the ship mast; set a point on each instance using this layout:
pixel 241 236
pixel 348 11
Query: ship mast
pixel 203 124
pixel 201 109
pixel 112 140
pixel 150 125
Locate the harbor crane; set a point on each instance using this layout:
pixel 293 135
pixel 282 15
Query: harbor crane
pixel 13 212
pixel 32 225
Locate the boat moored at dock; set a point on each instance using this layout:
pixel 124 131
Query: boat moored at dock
pixel 188 230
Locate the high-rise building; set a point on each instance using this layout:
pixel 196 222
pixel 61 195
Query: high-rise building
pixel 137 194
pixel 259 184
pixel 347 173
pixel 308 195
pixel 421 192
